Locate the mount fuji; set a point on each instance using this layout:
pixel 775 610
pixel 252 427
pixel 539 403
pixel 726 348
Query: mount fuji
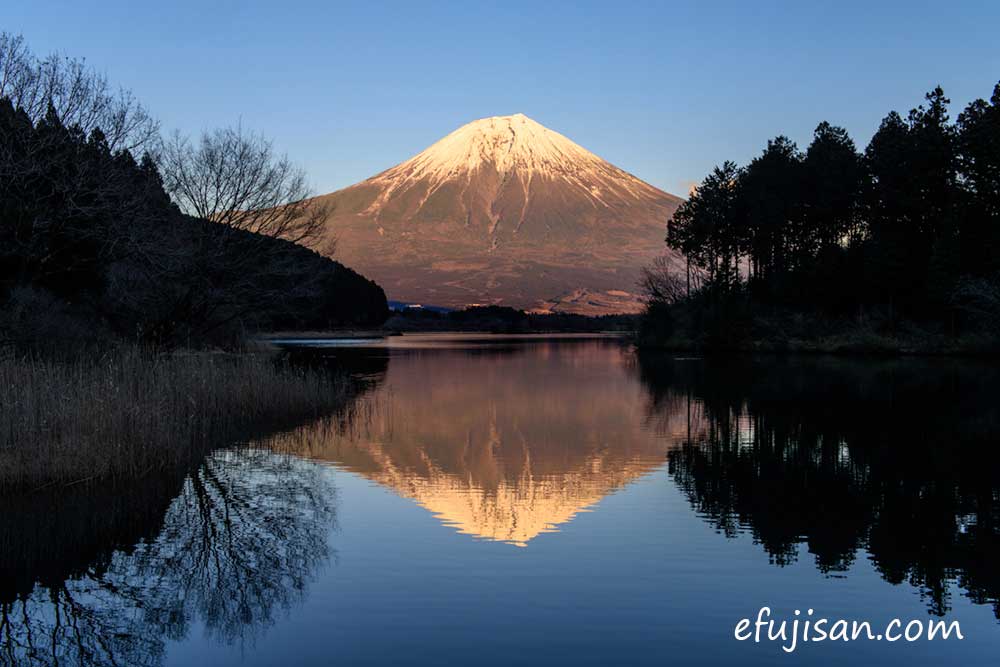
pixel 504 211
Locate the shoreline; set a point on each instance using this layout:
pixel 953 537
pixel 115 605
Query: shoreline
pixel 984 349
pixel 840 346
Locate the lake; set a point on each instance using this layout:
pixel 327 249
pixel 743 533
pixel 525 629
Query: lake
pixel 523 500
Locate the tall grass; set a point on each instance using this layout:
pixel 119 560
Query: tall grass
pixel 130 412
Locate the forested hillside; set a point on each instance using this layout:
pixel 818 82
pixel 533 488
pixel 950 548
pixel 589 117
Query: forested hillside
pixel 92 247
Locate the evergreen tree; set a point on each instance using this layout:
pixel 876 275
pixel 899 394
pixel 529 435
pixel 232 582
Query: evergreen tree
pixel 707 228
pixel 911 227
pixel 832 183
pixel 771 203
pixel 832 178
pixel 913 203
pixel 979 160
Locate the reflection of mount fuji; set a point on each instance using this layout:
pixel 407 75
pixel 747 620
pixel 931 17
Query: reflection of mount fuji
pixel 502 446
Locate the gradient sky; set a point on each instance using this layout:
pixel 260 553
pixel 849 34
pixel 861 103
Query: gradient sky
pixel 663 90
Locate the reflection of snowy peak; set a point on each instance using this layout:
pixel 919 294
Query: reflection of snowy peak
pixel 503 210
pixel 501 449
pixel 513 510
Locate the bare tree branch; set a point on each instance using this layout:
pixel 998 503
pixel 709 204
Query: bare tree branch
pixel 80 95
pixel 235 178
pixel 661 282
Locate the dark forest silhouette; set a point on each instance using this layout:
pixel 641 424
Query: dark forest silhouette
pixel 90 236
pixel 906 231
pixel 92 246
pixel 120 253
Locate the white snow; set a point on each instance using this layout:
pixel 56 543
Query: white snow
pixel 515 146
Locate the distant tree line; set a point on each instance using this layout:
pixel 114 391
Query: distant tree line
pixel 909 229
pixel 504 319
pixel 97 244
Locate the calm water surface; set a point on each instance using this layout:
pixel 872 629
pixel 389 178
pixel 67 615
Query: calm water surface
pixel 526 500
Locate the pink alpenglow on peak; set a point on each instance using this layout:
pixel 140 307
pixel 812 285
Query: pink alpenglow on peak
pixel 504 211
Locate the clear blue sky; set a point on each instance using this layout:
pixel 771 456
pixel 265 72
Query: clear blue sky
pixel 664 90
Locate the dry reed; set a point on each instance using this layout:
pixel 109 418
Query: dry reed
pixel 130 412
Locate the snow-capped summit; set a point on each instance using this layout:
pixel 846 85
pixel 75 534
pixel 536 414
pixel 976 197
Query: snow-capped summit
pixel 503 210
pixel 518 150
pixel 505 143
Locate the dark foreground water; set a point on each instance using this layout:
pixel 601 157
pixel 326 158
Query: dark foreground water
pixel 504 501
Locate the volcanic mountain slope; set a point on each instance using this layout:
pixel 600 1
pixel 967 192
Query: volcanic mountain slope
pixel 503 211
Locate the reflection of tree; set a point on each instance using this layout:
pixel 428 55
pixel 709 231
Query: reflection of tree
pixel 238 544
pixel 897 458
pixel 780 490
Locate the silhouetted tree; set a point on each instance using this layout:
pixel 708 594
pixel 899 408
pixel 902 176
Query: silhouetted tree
pixel 235 178
pixel 912 204
pixel 832 183
pixel 80 96
pixel 96 232
pixel 95 243
pixel 910 229
pixel 775 238
pixel 706 229
pixel 661 284
pixel 979 161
